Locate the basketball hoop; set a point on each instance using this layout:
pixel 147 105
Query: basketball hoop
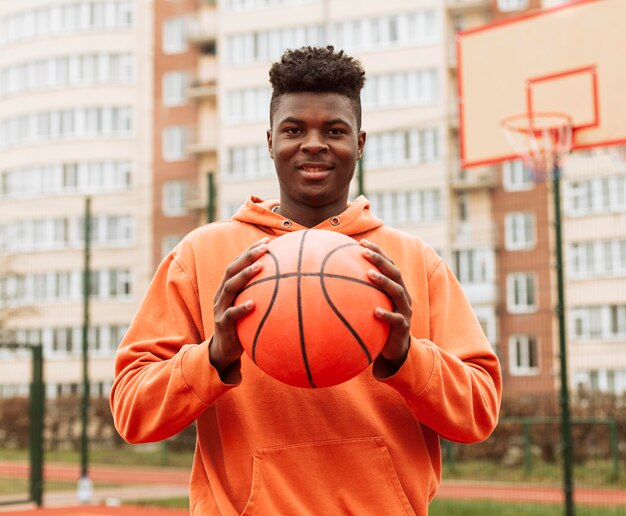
pixel 540 139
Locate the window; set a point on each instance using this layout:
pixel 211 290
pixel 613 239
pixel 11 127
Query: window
pixel 175 35
pixel 520 293
pixel 68 18
pixel 174 88
pixel 174 143
pixel 249 162
pixel 599 258
pixel 65 124
pixel 519 231
pixel 516 177
pixel 512 5
pixel 475 265
pixel 414 28
pixel 248 105
pixel 407 207
pixel 416 87
pixel 598 195
pixel 401 147
pixel 174 198
pixel 603 380
pixel 523 355
pixel 248 48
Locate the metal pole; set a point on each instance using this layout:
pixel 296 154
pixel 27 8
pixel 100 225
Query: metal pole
pixel 37 407
pixel 566 428
pixel 210 195
pixel 360 176
pixel 84 492
pixel 614 448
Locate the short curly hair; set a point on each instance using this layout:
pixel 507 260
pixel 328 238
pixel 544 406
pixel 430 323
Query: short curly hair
pixel 317 70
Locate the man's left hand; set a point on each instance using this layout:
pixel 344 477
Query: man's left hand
pixel 389 279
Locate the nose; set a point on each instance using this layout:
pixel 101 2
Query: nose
pixel 314 143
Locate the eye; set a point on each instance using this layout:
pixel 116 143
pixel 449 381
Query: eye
pixel 336 131
pixel 292 131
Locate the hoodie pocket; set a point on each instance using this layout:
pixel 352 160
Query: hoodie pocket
pixel 347 476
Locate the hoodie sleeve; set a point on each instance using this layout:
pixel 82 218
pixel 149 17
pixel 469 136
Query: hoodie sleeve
pixel 451 381
pixel 163 377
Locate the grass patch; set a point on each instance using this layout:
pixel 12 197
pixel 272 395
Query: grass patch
pixel 439 507
pixel 597 473
pixel 175 503
pixel 20 486
pixel 157 455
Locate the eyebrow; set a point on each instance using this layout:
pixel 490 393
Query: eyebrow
pixel 294 120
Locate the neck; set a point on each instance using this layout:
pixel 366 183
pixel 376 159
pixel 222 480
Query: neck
pixel 310 216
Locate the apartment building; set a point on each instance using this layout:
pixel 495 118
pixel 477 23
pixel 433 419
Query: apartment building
pixel 161 116
pixel 75 122
pixel 594 226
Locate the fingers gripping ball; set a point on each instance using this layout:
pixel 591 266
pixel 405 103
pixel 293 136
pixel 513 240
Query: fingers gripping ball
pixel 313 324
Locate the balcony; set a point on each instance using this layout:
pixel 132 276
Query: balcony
pixel 202 147
pixel 460 6
pixel 474 179
pixel 203 29
pixel 199 90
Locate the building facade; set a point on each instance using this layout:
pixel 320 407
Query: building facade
pixel 75 123
pixel 161 118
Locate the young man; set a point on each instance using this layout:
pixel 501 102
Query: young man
pixel 367 446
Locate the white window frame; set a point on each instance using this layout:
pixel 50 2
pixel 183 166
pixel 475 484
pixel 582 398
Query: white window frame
pixel 520 231
pixel 512 5
pixel 175 88
pixel 524 284
pixel 174 198
pixel 521 355
pixel 174 143
pixel 175 39
pixel 516 177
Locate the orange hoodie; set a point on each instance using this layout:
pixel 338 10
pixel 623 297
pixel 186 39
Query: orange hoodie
pixel 363 447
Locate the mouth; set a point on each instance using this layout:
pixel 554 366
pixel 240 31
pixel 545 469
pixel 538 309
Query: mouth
pixel 313 170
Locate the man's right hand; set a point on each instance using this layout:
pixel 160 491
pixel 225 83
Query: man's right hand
pixel 225 348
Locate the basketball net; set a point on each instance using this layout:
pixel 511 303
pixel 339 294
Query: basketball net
pixel 540 140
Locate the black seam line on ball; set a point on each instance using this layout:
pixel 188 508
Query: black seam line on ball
pixel 312 275
pixel 267 312
pixel 334 308
pixel 300 319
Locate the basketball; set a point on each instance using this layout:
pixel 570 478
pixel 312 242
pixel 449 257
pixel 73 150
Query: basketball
pixel 313 324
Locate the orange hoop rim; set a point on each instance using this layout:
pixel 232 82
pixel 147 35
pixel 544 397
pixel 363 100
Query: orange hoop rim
pixel 509 122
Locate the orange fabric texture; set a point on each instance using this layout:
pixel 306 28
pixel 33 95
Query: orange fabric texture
pixel 362 447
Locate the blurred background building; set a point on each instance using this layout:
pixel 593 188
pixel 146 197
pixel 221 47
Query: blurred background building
pixel 158 111
pixel 75 121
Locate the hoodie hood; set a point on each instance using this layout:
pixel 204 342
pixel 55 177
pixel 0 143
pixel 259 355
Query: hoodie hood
pixel 354 220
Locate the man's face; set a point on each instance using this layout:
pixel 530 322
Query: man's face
pixel 315 144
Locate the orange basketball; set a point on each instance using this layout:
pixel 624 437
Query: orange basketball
pixel 313 324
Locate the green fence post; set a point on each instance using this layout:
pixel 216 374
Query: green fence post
pixel 449 455
pixel 527 448
pixel 37 406
pixel 210 203
pixel 614 447
pixel 165 453
pixel 360 177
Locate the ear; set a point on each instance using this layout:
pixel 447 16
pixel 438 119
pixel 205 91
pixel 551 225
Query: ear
pixel 361 143
pixel 269 143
